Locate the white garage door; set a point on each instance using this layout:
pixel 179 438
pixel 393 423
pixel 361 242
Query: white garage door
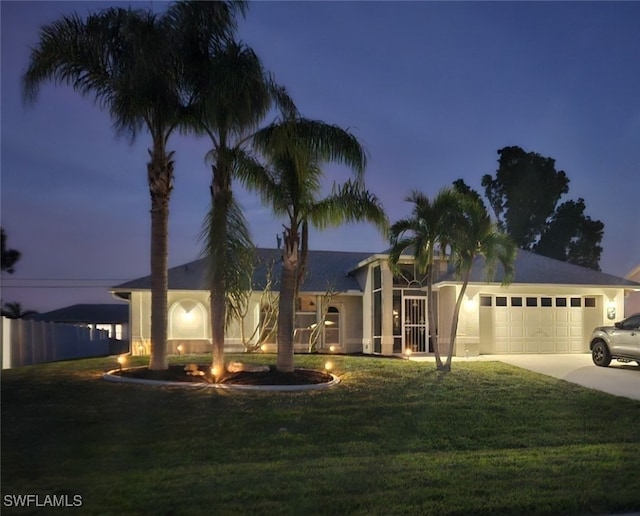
pixel 536 324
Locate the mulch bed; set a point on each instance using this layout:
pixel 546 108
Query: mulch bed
pixel 176 373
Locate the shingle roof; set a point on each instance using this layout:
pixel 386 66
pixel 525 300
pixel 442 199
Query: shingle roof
pixel 534 268
pixel 87 313
pixel 332 267
pixel 324 268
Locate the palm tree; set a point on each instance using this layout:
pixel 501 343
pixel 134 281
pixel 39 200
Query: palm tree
pixel 129 62
pixel 14 311
pixel 295 149
pixel 232 94
pixel 475 236
pixel 426 233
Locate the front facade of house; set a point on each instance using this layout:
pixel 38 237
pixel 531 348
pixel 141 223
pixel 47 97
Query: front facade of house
pixel 353 303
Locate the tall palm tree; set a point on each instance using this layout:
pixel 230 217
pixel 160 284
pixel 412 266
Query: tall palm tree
pixel 295 149
pixel 427 233
pixel 232 94
pixel 14 311
pixel 129 62
pixel 476 235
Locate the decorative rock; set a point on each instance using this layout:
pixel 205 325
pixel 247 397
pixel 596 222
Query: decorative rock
pixel 236 367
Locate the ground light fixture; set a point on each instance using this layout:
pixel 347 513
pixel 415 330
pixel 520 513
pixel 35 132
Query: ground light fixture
pixel 407 352
pixel 180 349
pixel 263 348
pixel 121 361
pixel 328 365
pixel 332 349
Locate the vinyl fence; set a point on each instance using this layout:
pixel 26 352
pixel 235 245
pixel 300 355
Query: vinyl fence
pixel 27 342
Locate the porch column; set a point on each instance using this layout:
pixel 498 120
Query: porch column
pixel 387 308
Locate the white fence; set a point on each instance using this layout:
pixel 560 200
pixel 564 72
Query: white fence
pixel 27 342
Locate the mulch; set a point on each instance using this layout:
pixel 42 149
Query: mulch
pixel 176 373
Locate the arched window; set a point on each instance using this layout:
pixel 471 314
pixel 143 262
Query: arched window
pixel 187 320
pixel 332 327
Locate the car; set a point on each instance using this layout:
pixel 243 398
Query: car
pixel 620 342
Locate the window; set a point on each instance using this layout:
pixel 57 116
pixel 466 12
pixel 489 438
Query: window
pixel 516 301
pixel 332 327
pixel 485 300
pixel 590 302
pixel 576 302
pixel 545 301
pixel 377 278
pixel 304 320
pixel 561 301
pixel 377 310
pixel 501 301
pixel 532 301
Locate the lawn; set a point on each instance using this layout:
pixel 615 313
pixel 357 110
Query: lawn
pixel 394 437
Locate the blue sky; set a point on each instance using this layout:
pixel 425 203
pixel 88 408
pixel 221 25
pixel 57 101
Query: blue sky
pixel 433 90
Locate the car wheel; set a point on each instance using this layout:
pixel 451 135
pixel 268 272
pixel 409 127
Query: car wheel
pixel 600 354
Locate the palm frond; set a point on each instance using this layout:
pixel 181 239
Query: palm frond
pixel 349 203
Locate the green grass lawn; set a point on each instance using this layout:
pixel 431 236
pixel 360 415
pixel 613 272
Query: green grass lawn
pixel 394 437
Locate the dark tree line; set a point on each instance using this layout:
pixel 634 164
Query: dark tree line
pixel 525 196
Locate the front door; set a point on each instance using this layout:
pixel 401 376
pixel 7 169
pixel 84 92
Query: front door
pixel 415 324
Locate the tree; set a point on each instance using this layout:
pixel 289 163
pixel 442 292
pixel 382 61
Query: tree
pixel 427 233
pixel 9 256
pixel 572 236
pixel 14 311
pixel 295 150
pixel 130 63
pixel 524 196
pixel 232 94
pixel 476 235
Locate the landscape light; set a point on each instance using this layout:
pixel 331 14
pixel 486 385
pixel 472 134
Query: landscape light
pixel 332 348
pixel 263 348
pixel 328 365
pixel 180 349
pixel 121 360
pixel 407 352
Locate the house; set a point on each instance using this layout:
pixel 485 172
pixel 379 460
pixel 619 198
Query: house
pixel 550 307
pixel 632 299
pixel 112 317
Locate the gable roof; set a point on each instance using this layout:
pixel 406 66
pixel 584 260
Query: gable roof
pixel 324 268
pixel 538 269
pixel 87 313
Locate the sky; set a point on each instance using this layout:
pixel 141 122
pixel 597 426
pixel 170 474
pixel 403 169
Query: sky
pixel 432 89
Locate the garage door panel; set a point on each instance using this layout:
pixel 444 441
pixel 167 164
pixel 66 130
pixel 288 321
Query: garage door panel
pixel 537 328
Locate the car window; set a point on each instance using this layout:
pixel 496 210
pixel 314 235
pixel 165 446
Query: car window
pixel 632 323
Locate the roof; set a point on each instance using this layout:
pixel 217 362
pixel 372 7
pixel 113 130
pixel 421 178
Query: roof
pixel 324 268
pixel 535 268
pixel 336 268
pixel 88 313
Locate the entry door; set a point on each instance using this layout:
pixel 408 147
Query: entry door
pixel 415 324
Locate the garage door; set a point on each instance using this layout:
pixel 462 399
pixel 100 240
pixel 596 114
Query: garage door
pixel 536 324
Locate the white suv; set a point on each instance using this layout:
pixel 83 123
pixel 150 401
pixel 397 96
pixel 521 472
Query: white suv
pixel 621 342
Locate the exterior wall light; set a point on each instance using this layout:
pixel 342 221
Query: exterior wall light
pixel 611 309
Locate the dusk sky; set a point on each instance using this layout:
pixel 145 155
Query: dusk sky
pixel 432 89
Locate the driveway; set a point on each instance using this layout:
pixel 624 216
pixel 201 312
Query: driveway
pixel 618 379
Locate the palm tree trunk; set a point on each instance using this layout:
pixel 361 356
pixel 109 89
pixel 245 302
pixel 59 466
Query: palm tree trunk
pixel 286 303
pixel 217 254
pixel 454 323
pixel 160 175
pixel 432 322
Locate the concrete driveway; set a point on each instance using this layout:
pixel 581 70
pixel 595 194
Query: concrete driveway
pixel 618 379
